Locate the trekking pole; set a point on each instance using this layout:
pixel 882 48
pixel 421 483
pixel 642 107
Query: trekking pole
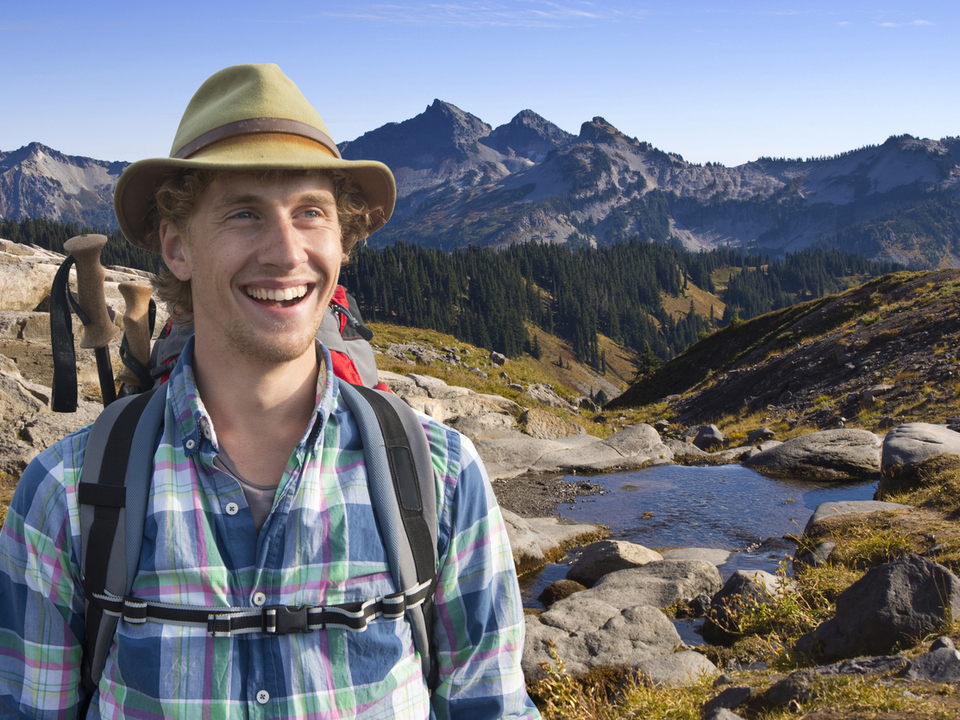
pixel 137 329
pixel 98 328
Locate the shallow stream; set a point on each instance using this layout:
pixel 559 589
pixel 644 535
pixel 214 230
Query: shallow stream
pixel 727 507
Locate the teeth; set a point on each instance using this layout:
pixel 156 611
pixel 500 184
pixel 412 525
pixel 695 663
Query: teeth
pixel 289 293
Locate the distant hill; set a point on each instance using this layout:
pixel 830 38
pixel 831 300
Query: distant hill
pixel 462 182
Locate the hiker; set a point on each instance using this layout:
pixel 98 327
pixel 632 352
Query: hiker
pixel 259 506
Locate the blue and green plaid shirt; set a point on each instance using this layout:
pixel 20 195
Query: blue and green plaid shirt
pixel 319 546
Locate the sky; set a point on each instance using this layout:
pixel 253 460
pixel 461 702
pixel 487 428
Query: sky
pixel 719 81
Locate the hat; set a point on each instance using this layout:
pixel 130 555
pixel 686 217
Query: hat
pixel 247 117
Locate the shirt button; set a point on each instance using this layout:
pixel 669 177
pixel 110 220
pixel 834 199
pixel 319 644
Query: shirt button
pixel 263 697
pixel 232 508
pixel 259 599
pixel 190 444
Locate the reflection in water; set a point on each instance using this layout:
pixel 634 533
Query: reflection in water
pixel 727 507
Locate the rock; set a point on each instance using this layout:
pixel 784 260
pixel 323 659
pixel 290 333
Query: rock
pixel 607 556
pixel 585 403
pixel 795 690
pixel 817 557
pixel 538 541
pixel 892 605
pixel 907 447
pixel 721 714
pixel 685 452
pixel 548 396
pixel 558 590
pixel 498 359
pixel 542 425
pixel 743 590
pixel 732 697
pixel 632 447
pixel 709 437
pixel 658 583
pixel 937 666
pixel 760 435
pixel 848 507
pixel 681 668
pixel 711 555
pixel 626 638
pixel 875 665
pixel 846 454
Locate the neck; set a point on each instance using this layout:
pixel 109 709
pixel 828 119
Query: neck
pixel 256 407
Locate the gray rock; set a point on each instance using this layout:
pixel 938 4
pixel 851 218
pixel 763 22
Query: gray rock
pixel 845 454
pixel 498 358
pixel 626 637
pixel 711 555
pixel 660 584
pixel 874 665
pixel 797 687
pixel 685 452
pixel 542 425
pixel 681 668
pixel 937 666
pixel 721 714
pixel 548 396
pixel 732 697
pixel 907 447
pixel 709 437
pixel 744 589
pixel 893 604
pixel 849 507
pixel 607 556
pixel 760 435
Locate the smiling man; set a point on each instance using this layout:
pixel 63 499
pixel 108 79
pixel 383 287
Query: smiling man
pixel 260 494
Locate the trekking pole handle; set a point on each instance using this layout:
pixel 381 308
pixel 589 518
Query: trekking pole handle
pixel 136 325
pixel 85 249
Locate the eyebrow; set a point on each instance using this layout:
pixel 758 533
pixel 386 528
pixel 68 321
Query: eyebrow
pixel 309 198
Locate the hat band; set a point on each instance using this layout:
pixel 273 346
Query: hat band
pixel 254 126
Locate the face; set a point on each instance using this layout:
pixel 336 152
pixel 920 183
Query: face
pixel 263 260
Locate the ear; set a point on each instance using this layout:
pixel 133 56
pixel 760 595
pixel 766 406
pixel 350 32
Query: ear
pixel 174 250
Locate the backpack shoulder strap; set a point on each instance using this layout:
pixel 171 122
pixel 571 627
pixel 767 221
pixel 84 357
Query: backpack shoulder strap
pixel 404 497
pixel 113 491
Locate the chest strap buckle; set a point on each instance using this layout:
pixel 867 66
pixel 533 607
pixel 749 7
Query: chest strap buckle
pixel 285 619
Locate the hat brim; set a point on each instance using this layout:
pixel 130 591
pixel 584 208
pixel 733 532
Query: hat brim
pixel 138 183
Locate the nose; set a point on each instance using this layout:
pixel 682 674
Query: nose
pixel 283 245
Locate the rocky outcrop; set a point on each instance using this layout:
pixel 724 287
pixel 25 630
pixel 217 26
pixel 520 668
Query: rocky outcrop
pixel 538 541
pixel 845 454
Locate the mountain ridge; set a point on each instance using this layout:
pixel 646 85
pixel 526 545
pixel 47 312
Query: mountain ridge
pixel 462 182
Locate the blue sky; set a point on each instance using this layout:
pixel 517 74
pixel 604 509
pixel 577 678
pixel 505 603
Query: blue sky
pixel 713 81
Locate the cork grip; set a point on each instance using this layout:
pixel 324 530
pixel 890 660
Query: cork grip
pixel 85 249
pixel 136 325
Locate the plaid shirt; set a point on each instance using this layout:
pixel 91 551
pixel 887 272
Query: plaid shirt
pixel 319 546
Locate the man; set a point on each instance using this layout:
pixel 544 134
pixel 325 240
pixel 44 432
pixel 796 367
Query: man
pixel 259 493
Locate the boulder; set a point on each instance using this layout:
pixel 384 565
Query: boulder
pixel 709 437
pixel 837 508
pixel 548 396
pixel 844 454
pixel 558 590
pixel 677 669
pixel 760 435
pixel 626 638
pixel 607 556
pixel 937 666
pixel 907 447
pixel 660 584
pixel 893 605
pixel 743 590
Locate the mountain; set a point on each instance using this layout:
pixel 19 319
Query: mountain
pixel 461 182
pixel 37 181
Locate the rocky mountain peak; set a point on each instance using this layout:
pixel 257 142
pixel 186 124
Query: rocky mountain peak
pixel 599 130
pixel 527 135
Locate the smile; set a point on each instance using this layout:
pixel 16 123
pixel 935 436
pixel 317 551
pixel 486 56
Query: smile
pixel 276 294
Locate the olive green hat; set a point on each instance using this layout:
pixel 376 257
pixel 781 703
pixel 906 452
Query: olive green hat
pixel 247 117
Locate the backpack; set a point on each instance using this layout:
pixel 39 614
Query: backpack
pixel 113 493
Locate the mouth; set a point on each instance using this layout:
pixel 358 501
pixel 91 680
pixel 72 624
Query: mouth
pixel 277 297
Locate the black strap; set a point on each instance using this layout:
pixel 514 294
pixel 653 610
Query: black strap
pixel 64 390
pixel 111 491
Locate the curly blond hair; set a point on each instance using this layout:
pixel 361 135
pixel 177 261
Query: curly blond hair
pixel 176 199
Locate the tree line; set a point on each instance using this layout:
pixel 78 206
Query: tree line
pixel 489 298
